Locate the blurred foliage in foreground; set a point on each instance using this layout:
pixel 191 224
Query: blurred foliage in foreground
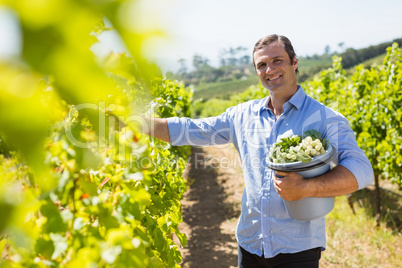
pixel 79 185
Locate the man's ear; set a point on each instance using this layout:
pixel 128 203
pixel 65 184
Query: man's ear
pixel 295 63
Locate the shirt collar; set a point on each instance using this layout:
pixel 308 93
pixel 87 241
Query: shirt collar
pixel 296 100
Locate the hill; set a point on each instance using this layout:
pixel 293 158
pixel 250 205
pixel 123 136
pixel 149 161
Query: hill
pixel 224 89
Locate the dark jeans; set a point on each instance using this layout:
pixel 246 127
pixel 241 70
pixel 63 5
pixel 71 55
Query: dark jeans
pixel 304 259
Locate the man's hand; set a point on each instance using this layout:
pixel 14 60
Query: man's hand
pixel 337 181
pixel 157 128
pixel 291 186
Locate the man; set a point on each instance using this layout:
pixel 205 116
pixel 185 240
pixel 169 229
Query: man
pixel 267 235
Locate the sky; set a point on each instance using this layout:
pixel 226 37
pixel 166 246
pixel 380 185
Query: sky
pixel 205 27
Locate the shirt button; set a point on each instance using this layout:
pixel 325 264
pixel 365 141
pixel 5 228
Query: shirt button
pixel 266 194
pixel 265 215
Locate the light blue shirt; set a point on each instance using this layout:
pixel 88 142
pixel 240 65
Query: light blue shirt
pixel 264 225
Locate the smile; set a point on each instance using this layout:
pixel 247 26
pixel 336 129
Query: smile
pixel 273 78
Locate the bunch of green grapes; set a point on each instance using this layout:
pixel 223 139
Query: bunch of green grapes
pixel 312 147
pixel 294 148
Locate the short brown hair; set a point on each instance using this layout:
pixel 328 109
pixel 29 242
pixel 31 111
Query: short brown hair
pixel 267 40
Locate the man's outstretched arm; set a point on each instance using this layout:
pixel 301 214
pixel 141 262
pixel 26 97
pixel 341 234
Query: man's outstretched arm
pixel 157 128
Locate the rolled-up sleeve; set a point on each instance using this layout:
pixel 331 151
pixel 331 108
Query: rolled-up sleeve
pixel 206 131
pixel 349 154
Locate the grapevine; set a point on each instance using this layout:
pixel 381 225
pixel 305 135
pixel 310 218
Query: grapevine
pixel 81 186
pixel 370 98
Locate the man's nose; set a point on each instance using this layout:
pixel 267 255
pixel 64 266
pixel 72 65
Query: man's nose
pixel 269 68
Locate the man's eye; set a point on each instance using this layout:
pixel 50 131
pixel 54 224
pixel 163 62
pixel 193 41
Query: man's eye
pixel 277 60
pixel 261 65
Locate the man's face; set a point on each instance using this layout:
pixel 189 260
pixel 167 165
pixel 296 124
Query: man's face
pixel 274 69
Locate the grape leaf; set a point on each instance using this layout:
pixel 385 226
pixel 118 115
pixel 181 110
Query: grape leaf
pixel 287 142
pixel 314 134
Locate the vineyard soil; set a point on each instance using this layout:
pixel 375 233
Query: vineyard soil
pixel 211 207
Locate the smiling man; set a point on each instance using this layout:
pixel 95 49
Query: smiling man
pixel 266 234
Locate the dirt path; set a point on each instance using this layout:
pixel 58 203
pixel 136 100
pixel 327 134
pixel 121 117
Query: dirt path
pixel 211 207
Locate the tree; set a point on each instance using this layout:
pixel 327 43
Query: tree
pixel 234 56
pixel 183 67
pixel 340 45
pixel 199 61
pixel 245 60
pixel 327 49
